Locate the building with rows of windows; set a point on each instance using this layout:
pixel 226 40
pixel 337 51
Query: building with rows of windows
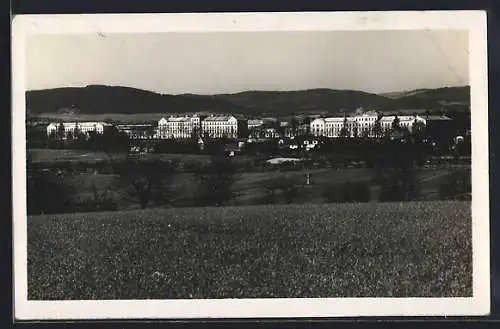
pixel 83 127
pixel 178 127
pixel 360 125
pixel 220 126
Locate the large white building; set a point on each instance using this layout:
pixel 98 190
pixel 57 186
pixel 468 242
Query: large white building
pixel 365 123
pixel 405 121
pixel 178 127
pixel 362 124
pixel 84 127
pixel 220 126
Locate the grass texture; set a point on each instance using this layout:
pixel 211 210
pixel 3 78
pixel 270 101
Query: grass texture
pixel 418 249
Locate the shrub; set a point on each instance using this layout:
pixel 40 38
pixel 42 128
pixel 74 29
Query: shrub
pixel 291 189
pixel 396 174
pixel 457 185
pixel 146 181
pixel 215 181
pixel 48 192
pixel 400 184
pixel 105 203
pixel 285 187
pixel 271 187
pixel 348 192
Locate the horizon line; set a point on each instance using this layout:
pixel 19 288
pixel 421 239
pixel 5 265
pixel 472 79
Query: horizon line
pixel 247 90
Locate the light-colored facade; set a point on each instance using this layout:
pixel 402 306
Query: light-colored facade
pixel 405 121
pixel 365 124
pixel 317 127
pixel 264 132
pixel 333 126
pixel 359 125
pixel 220 126
pixel 84 127
pixel 178 127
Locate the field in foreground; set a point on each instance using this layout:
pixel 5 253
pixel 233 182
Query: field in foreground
pixel 344 250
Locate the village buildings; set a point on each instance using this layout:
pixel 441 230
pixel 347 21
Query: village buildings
pixel 83 127
pixel 361 125
pixel 220 126
pixel 369 124
pixel 178 127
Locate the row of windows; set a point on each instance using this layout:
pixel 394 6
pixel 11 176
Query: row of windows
pixel 405 124
pixel 217 123
pixel 73 129
pixel 82 129
pixel 175 128
pixel 175 123
pixel 190 128
pixel 220 127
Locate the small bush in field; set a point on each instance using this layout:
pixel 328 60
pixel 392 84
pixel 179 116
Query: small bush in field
pixel 457 185
pixel 146 182
pixel 48 192
pixel 348 192
pixel 400 184
pixel 91 205
pixel 214 183
pixel 100 201
pixel 285 186
pixel 291 191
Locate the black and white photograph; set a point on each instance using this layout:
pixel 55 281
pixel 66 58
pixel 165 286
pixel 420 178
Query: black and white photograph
pixel 250 165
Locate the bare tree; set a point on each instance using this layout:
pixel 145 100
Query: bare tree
pixel 344 131
pixel 146 181
pixel 396 125
pixel 377 127
pixel 215 182
pixel 418 129
pixel 60 132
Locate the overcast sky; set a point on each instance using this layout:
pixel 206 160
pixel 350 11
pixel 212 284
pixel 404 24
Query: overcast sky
pixel 210 63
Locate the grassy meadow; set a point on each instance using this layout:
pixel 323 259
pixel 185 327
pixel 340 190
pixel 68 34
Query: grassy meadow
pixel 249 187
pixel 412 249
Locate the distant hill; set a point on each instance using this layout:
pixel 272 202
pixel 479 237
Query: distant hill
pixel 98 100
pixel 401 94
pixel 304 101
pixel 433 98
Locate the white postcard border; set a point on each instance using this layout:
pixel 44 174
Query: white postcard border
pixel 474 21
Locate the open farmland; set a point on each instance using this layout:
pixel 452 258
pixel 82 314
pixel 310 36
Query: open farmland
pixel 249 186
pixel 418 249
pixel 55 155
